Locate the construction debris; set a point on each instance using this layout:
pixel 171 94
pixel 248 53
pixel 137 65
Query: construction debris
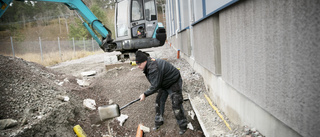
pixel 63 98
pixel 122 118
pixel 7 123
pixel 79 131
pixel 190 126
pixel 83 82
pixel 88 73
pixel 144 128
pixel 191 114
pixel 90 104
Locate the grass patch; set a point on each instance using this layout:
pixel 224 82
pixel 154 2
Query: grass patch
pixel 53 58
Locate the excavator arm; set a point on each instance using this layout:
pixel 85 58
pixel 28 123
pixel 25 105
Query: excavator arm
pixel 85 13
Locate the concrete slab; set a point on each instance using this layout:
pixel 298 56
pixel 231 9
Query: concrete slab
pixel 88 73
pixel 210 122
pixel 110 60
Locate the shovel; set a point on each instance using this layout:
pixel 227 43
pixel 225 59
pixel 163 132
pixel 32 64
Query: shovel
pixel 111 111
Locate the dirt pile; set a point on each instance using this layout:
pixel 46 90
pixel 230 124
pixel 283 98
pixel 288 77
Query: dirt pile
pixel 30 95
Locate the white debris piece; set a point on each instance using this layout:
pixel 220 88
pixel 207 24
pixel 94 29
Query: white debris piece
pixel 66 80
pixel 60 83
pixel 88 73
pixel 63 98
pixel 144 128
pixel 110 60
pixel 66 99
pixel 122 118
pixel 190 126
pixel 83 82
pixel 7 123
pixel 90 104
pixel 191 114
pixel 39 117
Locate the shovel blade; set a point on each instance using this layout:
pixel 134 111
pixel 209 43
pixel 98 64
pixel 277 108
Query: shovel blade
pixel 108 111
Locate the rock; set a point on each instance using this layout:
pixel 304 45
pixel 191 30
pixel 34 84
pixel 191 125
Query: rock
pixel 63 98
pixel 110 101
pixel 90 104
pixel 83 82
pixel 120 68
pixel 60 83
pixel 66 80
pixel 191 114
pixel 245 128
pixel 7 123
pixel 230 135
pixel 253 129
pixel 122 118
pixel 24 121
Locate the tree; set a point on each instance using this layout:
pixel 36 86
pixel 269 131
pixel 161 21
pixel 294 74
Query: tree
pixel 77 30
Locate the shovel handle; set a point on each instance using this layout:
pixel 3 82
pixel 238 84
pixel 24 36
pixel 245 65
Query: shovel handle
pixel 129 103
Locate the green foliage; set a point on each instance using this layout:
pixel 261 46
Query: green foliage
pixel 98 12
pixel 14 30
pixel 39 13
pixel 77 30
pixel 30 11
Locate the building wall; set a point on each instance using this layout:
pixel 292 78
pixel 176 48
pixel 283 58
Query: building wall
pixel 260 60
pixel 184 44
pixel 207 44
pixel 270 54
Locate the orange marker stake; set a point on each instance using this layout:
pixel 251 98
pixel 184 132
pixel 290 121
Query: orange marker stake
pixel 139 132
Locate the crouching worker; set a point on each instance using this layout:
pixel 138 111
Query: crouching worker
pixel 166 80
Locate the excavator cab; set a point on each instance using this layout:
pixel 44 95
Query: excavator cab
pixel 136 26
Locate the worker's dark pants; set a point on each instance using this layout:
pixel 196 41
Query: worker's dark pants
pixel 175 92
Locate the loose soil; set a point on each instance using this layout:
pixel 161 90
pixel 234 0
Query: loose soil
pixel 31 94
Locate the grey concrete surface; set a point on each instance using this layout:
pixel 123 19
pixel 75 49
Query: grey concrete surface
pixel 270 53
pixel 240 109
pixel 207 44
pixel 270 76
pixel 185 42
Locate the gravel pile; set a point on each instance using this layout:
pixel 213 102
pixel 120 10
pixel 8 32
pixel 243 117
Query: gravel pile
pixel 31 95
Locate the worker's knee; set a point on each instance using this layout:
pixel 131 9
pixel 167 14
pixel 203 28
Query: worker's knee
pixel 177 100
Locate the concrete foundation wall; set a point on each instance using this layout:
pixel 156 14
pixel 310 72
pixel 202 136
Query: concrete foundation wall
pixel 207 44
pixel 270 64
pixel 185 42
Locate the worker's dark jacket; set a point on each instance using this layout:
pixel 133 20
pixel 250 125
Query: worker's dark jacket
pixel 161 75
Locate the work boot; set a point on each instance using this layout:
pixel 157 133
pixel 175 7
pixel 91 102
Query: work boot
pixel 156 127
pixel 158 122
pixel 182 131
